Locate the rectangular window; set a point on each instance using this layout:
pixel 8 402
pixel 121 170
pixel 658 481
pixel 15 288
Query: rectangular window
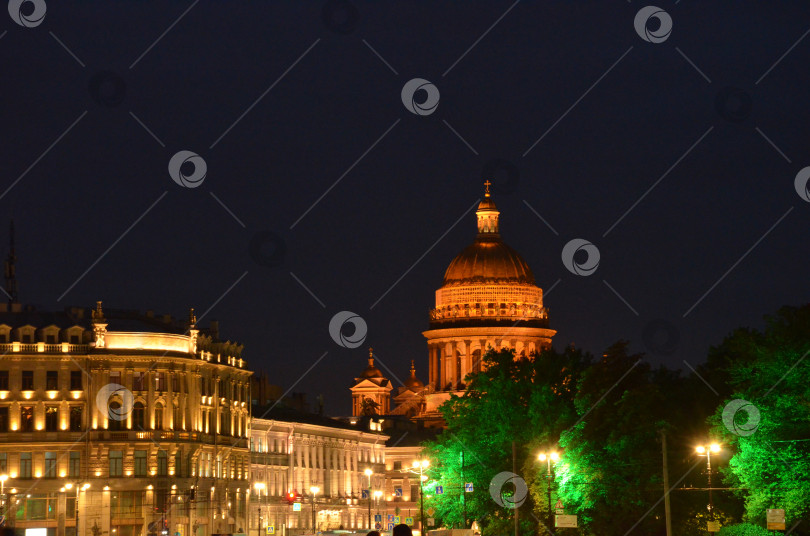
pixel 27 338
pixel 50 339
pixel 140 463
pixel 137 381
pixel 3 380
pixel 75 418
pixel 127 504
pixel 160 381
pixel 3 462
pixel 163 463
pixel 27 418
pixel 50 465
pixel 397 465
pixel 74 339
pixel 52 380
pixel 25 465
pixel 115 376
pixel 178 464
pixel 75 380
pixel 51 418
pixel 4 419
pixel 116 463
pixel 75 464
pixel 28 380
pixel 175 383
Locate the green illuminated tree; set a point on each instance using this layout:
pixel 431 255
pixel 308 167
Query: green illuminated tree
pixel 769 369
pixel 528 401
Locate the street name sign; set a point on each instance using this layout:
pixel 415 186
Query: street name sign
pixel 565 522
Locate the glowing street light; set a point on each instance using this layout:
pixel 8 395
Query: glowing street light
pixel 548 458
pixel 422 465
pixel 314 490
pixel 706 450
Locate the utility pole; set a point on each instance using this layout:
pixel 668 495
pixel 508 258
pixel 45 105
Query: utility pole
pixel 464 489
pixel 667 512
pixel 514 470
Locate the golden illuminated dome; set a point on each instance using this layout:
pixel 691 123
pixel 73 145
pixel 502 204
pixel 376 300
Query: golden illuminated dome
pixel 371 371
pixel 488 259
pixel 413 383
pixel 488 280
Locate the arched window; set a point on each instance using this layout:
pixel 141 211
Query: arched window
pixel 138 416
pixel 158 417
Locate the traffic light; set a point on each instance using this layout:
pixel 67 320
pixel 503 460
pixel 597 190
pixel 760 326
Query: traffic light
pixel 291 496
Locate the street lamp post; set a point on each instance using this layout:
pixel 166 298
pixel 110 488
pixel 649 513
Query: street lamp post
pixel 422 465
pixel 368 473
pixel 548 458
pixel 707 451
pixel 314 490
pixel 377 495
pixel 82 487
pixel 259 486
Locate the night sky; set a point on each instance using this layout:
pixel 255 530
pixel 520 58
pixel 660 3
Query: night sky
pixel 700 136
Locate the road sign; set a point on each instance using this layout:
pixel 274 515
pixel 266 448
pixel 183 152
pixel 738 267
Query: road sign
pixel 364 494
pixel 397 520
pixel 409 521
pixel 713 526
pixel 296 507
pixel 390 518
pixel 378 518
pixel 430 511
pixel 775 518
pixel 439 490
pixel 468 487
pixel 390 527
pixel 271 529
pixel 559 504
pixel 398 492
pixel 378 526
pixel 562 522
pixel 431 522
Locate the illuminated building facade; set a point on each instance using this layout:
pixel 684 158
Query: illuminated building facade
pixel 311 457
pixel 144 424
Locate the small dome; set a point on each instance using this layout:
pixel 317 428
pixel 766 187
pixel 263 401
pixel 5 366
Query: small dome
pixel 371 371
pixel 413 383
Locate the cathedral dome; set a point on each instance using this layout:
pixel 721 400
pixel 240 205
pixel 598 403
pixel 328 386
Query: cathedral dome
pixel 489 281
pixel 488 260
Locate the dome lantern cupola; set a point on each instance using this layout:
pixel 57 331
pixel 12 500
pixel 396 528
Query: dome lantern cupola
pixel 487 214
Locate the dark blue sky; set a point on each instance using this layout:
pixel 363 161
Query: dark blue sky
pixel 614 111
